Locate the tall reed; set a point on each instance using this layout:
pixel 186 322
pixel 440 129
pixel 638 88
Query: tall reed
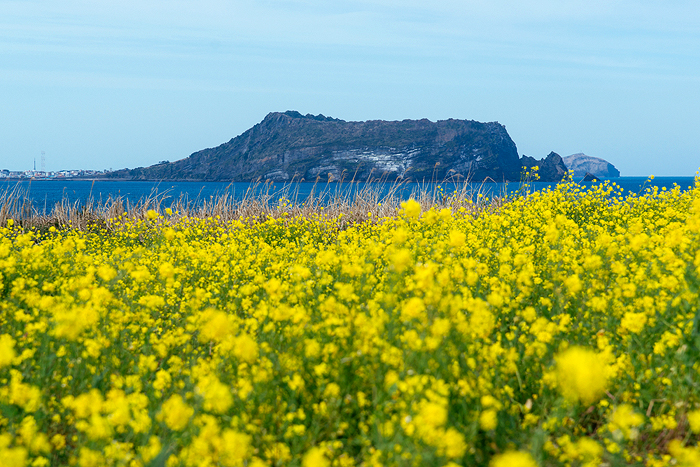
pixel 351 202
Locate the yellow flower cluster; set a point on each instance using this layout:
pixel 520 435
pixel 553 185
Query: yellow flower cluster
pixel 561 327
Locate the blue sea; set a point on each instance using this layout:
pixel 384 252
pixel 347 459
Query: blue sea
pixel 44 194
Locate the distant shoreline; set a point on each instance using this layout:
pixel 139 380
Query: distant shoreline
pixel 181 180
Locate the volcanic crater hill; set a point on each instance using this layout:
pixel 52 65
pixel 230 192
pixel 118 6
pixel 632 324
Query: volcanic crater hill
pixel 289 146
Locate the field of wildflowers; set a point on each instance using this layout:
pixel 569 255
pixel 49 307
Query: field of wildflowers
pixel 558 328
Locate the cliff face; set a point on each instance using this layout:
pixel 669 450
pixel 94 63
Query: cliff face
pixel 582 164
pixel 290 146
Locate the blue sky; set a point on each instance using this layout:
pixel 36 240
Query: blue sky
pixel 113 84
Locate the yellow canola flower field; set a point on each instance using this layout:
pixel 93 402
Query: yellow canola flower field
pixel 559 328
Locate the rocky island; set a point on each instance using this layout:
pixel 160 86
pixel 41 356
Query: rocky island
pixel 583 165
pixel 288 146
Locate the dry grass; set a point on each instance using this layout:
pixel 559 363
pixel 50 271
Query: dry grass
pixel 352 202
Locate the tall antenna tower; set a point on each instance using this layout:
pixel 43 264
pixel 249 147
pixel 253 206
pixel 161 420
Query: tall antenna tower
pixel 43 161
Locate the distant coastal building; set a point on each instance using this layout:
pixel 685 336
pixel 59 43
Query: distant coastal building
pixel 49 175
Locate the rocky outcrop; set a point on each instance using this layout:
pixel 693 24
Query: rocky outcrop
pixel 550 169
pixel 582 164
pixel 291 146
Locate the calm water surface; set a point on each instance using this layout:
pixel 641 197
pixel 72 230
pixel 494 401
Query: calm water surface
pixel 44 194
